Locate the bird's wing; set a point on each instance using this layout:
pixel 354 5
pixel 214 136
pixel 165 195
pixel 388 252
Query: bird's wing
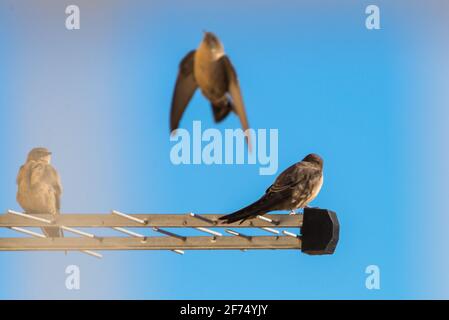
pixel 293 176
pixel 236 95
pixel 55 181
pixel 52 177
pixel 45 173
pixel 37 173
pixel 184 89
pixel 21 175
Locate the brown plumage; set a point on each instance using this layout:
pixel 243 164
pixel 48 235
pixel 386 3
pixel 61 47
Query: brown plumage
pixel 210 70
pixel 294 188
pixel 39 188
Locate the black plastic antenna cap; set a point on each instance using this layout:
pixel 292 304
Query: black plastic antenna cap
pixel 320 231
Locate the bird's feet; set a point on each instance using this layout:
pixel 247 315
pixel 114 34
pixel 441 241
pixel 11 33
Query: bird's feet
pixel 291 213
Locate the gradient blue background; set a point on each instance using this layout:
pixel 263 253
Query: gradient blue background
pixel 372 103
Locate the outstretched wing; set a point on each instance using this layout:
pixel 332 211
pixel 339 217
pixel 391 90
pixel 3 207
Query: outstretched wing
pixel 236 95
pixel 184 89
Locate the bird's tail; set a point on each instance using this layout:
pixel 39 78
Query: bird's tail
pixel 52 232
pixel 221 110
pixel 261 206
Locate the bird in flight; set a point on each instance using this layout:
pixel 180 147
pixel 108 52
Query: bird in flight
pixel 209 69
pixel 294 188
pixel 39 188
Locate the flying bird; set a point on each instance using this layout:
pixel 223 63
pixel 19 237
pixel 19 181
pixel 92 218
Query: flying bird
pixel 294 188
pixel 209 69
pixel 39 188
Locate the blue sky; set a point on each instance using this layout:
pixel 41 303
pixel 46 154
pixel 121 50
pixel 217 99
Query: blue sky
pixel 99 97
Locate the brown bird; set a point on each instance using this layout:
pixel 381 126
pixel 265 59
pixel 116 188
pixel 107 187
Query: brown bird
pixel 39 188
pixel 293 189
pixel 209 69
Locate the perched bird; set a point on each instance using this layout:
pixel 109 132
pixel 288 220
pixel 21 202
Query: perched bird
pixel 209 69
pixel 293 189
pixel 39 188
